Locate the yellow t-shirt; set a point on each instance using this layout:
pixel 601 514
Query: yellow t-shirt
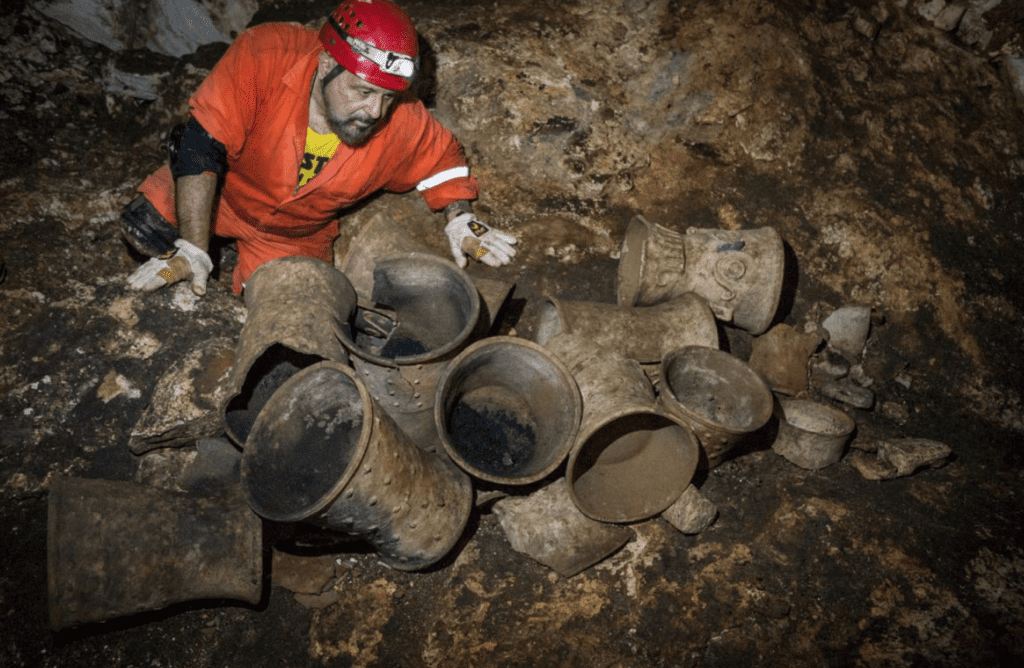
pixel 319 149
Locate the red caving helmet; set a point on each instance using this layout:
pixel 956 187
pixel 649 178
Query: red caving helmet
pixel 375 40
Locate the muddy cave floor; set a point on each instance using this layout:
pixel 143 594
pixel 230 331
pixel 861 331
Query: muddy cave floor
pixel 810 568
pixel 803 568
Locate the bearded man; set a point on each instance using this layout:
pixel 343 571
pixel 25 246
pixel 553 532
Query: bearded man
pixel 290 127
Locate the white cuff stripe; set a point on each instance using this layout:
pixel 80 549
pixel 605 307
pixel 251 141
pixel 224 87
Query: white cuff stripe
pixel 441 177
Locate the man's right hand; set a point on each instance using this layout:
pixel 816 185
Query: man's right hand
pixel 187 262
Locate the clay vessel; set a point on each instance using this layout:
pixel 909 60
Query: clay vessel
pixel 116 548
pixel 718 395
pixel 738 272
pixel 323 452
pixel 299 310
pixel 631 459
pixel 507 410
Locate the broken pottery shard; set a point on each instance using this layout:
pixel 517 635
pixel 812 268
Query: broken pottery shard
pixel 548 527
pixel 302 574
pixel 847 329
pixel 185 404
pixel 910 454
pixel 494 294
pixel 780 355
pixel 848 393
pixel 692 513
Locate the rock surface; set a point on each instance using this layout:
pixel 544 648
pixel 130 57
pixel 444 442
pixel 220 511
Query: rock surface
pixel 892 165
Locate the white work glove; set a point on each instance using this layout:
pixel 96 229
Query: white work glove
pixel 469 236
pixel 187 262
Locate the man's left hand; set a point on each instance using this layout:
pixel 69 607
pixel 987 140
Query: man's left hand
pixel 469 236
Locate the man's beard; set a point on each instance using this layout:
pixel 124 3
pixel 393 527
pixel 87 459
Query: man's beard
pixel 353 130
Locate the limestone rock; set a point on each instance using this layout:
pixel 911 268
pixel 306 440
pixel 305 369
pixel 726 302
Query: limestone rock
pixel 908 455
pixel 931 9
pixel 1013 71
pixel 141 86
pixel 847 328
pixel 897 458
pixel 692 513
pixel 949 18
pixel 973 28
pixel 184 406
pixel 848 393
pixel 896 411
pixel 825 370
pixel 171 27
pixel 870 466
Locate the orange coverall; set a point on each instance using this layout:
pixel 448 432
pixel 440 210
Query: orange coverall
pixel 256 102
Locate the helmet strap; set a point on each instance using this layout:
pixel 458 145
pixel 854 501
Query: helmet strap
pixel 329 77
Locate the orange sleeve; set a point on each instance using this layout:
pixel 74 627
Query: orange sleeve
pixel 225 103
pixel 433 152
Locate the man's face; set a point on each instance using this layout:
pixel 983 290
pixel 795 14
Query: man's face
pixel 356 108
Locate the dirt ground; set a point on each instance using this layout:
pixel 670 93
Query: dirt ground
pixel 887 153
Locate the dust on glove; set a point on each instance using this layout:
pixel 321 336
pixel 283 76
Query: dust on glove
pixel 186 262
pixel 469 236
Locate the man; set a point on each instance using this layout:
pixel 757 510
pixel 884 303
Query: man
pixel 290 127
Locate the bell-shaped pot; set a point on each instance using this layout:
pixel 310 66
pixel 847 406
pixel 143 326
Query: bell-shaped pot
pixel 720 396
pixel 116 548
pixel 323 452
pixel 426 311
pixel 631 459
pixel 380 237
pixel 642 333
pixel 738 272
pixel 299 310
pixel 507 410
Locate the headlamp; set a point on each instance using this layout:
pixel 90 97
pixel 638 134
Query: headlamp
pixel 390 62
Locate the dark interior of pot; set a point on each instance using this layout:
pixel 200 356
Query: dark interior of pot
pixel 303 445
